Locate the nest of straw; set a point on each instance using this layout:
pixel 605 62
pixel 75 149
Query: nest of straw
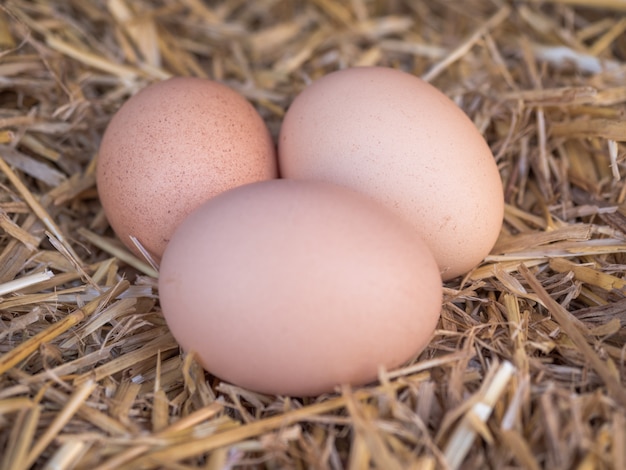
pixel 527 367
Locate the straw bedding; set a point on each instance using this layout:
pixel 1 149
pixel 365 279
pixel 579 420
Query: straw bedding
pixel 527 367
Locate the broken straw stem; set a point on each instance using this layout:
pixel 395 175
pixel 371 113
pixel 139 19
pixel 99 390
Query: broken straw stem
pixel 463 437
pixel 25 281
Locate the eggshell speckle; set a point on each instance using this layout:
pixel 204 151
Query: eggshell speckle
pixel 294 287
pixel 399 140
pixel 171 147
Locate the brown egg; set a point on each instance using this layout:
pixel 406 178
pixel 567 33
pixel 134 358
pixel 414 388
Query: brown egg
pixel 295 287
pixel 399 140
pixel 172 146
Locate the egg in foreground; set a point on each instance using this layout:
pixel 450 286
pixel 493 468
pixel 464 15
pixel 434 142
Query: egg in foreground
pixel 172 146
pixel 401 141
pixel 295 287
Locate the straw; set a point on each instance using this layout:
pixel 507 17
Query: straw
pixel 526 367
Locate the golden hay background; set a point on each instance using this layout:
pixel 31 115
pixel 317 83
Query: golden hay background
pixel 89 375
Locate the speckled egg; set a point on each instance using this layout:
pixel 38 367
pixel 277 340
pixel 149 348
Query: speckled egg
pixel 171 147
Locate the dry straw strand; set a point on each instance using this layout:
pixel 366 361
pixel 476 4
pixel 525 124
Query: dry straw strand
pixel 16 355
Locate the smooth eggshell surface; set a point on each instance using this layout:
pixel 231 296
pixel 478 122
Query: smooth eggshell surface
pixel 293 287
pixel 172 146
pixel 398 139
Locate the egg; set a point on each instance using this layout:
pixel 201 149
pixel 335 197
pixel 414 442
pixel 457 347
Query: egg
pixel 398 139
pixel 172 146
pixel 295 287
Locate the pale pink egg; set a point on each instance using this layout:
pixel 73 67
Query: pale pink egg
pixel 401 141
pixel 295 287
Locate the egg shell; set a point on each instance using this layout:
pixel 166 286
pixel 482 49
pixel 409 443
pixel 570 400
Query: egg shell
pixel 294 287
pixel 172 146
pixel 398 139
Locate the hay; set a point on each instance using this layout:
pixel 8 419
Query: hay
pixel 527 368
